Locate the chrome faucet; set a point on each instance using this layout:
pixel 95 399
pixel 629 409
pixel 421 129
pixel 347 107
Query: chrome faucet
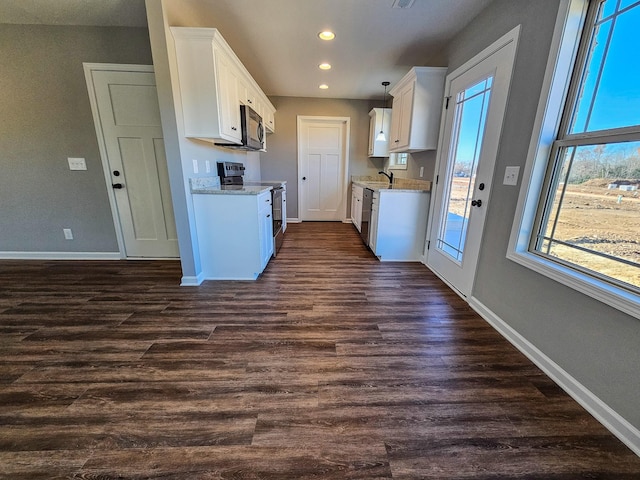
pixel 390 177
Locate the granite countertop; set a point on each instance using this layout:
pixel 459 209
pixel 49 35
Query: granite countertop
pixel 232 190
pixel 267 183
pixel 211 186
pixel 381 184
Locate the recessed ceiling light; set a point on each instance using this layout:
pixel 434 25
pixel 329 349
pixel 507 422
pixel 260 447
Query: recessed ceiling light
pixel 324 86
pixel 324 66
pixel 327 35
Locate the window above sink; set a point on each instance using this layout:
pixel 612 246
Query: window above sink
pixel 398 161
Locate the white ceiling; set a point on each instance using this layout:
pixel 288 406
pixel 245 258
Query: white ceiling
pixel 277 39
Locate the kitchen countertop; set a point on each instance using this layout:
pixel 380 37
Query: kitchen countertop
pixel 380 183
pixel 385 186
pixel 232 190
pixel 211 186
pixel 267 183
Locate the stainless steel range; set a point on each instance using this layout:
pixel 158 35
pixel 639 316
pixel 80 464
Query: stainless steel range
pixel 232 174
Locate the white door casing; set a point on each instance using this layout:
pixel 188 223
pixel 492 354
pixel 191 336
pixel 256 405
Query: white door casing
pixel 127 119
pixel 323 146
pixel 461 197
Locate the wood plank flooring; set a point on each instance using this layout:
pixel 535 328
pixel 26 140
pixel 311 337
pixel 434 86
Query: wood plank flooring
pixel 331 365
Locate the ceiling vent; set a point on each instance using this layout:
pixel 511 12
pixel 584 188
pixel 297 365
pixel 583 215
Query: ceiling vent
pixel 402 3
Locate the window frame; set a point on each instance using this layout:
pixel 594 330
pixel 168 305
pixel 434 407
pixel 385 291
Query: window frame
pixel 545 140
pixel 393 161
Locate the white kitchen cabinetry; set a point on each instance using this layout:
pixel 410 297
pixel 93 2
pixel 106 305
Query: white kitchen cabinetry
pixel 265 213
pixel 284 209
pixel 213 84
pixel 356 205
pixel 235 234
pixel 380 120
pixel 229 107
pixel 398 224
pixel 417 105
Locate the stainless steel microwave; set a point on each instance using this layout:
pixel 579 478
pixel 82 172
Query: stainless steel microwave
pixel 252 130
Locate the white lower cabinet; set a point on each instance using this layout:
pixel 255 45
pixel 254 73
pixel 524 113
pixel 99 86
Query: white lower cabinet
pixel 266 229
pixel 398 225
pixel 356 205
pixel 284 209
pixel 235 234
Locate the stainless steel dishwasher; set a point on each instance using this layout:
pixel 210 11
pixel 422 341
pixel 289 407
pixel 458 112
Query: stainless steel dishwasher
pixel 367 199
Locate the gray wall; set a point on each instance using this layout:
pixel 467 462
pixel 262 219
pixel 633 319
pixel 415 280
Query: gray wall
pixel 46 117
pixel 280 160
pixel 594 343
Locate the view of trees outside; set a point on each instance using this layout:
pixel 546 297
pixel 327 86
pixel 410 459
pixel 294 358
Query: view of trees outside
pixel 595 219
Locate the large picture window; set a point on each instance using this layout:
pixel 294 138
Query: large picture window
pixel 585 217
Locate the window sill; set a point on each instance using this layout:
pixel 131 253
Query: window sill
pixel 611 295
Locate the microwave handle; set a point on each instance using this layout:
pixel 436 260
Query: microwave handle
pixel 260 131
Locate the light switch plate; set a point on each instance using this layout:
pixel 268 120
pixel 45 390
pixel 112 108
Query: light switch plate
pixel 421 172
pixel 207 166
pixel 195 165
pixel 511 175
pixel 77 163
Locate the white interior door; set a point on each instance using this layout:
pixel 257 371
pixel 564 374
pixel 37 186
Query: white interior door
pixel 128 124
pixel 322 168
pixel 477 96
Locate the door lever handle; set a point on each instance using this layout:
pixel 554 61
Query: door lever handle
pixel 117 185
pixel 476 203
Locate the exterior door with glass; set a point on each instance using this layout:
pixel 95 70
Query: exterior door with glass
pixel 476 100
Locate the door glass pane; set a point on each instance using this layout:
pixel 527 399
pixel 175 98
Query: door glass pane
pixel 470 115
pixel 609 95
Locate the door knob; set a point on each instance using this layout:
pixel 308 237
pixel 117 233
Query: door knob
pixel 476 203
pixel 481 186
pixel 116 173
pixel 304 178
pixel 117 185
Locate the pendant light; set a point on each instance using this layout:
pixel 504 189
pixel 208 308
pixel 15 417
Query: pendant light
pixel 381 136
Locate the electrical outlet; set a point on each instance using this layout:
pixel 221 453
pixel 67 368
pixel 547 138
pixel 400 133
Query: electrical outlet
pixel 68 234
pixel 207 166
pixel 195 166
pixel 511 175
pixel 77 163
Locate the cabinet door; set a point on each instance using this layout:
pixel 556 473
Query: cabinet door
pixel 373 226
pixel 265 217
pixel 401 119
pixel 269 119
pixel 372 133
pixel 353 207
pixel 284 210
pixel 229 105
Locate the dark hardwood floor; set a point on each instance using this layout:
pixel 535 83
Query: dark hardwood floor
pixel 331 365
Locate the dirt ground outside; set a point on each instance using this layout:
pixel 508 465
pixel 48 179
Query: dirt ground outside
pixel 593 217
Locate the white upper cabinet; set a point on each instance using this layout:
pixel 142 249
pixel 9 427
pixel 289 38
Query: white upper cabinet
pixel 213 84
pixel 417 104
pixel 380 121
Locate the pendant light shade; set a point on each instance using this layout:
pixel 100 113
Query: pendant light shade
pixel 381 137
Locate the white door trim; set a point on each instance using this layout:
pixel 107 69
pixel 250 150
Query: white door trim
pixel 510 39
pixel 346 121
pixel 89 68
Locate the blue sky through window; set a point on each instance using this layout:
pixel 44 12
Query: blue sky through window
pixel 611 94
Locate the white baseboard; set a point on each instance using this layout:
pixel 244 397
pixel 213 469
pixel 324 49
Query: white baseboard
pixel 602 412
pixel 294 220
pixel 60 256
pixel 192 281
